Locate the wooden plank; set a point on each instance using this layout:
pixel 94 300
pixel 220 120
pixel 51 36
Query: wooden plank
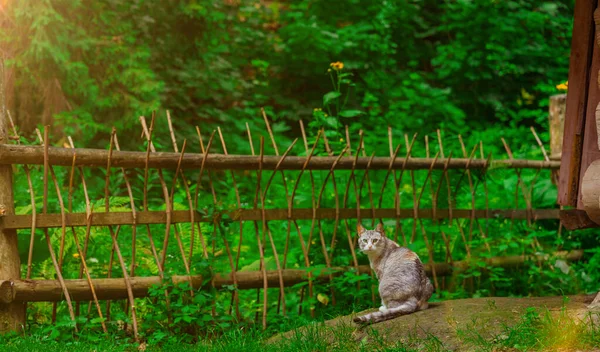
pixel 579 75
pixel 114 288
pixel 576 219
pixel 590 151
pixel 183 216
pixel 33 155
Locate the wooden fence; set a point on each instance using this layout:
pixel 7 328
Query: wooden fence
pixel 261 213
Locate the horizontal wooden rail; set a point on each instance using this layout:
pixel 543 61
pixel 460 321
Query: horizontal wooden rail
pixel 115 288
pixel 182 216
pixel 34 155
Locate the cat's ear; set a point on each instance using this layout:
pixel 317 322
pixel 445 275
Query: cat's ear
pixel 360 229
pixel 380 229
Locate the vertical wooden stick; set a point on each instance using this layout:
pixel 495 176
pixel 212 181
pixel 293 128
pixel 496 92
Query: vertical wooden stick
pixel 32 197
pixel 234 294
pixel 44 141
pixel 414 194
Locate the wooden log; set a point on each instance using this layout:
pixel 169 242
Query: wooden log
pixel 79 289
pixel 114 288
pixel 6 292
pixel 590 191
pixel 579 74
pixel 12 316
pixel 34 155
pixel 179 216
pixel 556 118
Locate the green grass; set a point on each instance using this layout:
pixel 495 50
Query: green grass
pixel 537 330
pixel 316 338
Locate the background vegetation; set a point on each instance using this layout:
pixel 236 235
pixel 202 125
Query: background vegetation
pixel 417 65
pixel 483 69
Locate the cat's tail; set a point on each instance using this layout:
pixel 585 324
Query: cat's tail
pixel 407 307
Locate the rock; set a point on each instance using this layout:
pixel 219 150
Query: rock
pixel 449 321
pixel 596 302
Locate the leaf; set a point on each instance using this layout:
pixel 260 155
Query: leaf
pixel 323 298
pixel 331 122
pixel 259 63
pixel 97 320
pixel 350 113
pixel 187 319
pixel 229 287
pixel 327 98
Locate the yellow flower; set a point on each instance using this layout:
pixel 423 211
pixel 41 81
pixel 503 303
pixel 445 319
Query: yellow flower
pixel 341 139
pixel 337 65
pixel 323 298
pixel 76 255
pixel 563 86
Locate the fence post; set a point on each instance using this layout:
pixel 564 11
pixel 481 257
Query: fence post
pixel 557 106
pixel 12 315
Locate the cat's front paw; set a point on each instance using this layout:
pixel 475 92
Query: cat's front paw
pixel 358 320
pixel 383 309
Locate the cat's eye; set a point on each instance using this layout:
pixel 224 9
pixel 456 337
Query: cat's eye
pixel 375 240
pixel 364 240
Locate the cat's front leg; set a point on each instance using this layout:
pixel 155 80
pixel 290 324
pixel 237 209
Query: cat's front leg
pixel 383 308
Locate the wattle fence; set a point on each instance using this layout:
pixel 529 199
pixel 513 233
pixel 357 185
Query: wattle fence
pixel 275 224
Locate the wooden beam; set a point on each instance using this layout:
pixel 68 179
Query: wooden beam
pixel 576 219
pixel 183 216
pixel 590 191
pixel 34 155
pixel 114 288
pixel 577 96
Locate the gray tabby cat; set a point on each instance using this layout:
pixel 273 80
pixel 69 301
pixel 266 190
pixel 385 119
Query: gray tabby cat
pixel 403 285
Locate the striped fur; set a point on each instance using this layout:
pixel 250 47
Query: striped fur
pixel 403 285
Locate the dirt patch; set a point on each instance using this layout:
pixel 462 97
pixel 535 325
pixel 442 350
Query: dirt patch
pixel 447 321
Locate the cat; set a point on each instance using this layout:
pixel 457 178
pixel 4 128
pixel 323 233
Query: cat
pixel 404 287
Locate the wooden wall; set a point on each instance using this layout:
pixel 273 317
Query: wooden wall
pixel 580 143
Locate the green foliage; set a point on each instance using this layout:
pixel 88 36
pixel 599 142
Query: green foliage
pixel 417 66
pixel 500 58
pixel 182 318
pixel 75 58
